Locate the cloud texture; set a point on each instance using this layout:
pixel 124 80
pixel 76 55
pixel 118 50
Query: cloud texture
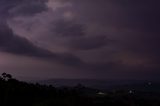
pixel 95 39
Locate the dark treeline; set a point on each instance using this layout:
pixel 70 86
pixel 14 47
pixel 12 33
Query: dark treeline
pixel 17 93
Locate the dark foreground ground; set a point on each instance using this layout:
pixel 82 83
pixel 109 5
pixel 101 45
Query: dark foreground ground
pixel 16 93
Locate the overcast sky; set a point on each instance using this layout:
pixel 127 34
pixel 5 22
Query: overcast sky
pixel 100 39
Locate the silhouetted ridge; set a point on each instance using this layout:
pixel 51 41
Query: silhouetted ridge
pixel 18 93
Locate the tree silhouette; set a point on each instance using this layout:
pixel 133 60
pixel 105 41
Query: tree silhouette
pixel 6 76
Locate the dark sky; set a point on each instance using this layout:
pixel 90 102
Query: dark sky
pixel 101 39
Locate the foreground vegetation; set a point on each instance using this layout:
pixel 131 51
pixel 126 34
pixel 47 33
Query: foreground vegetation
pixel 17 93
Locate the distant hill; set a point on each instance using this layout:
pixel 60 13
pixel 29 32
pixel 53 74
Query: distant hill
pixel 123 93
pixel 105 84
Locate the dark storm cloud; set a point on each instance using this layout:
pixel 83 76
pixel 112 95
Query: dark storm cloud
pixel 68 29
pixel 110 35
pixel 89 43
pixel 28 8
pixel 143 18
pixel 146 20
pixel 76 34
pixel 142 15
pixel 135 14
pixel 11 43
pixel 21 7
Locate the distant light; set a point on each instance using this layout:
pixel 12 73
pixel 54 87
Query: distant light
pixel 131 92
pixel 149 83
pixel 101 93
